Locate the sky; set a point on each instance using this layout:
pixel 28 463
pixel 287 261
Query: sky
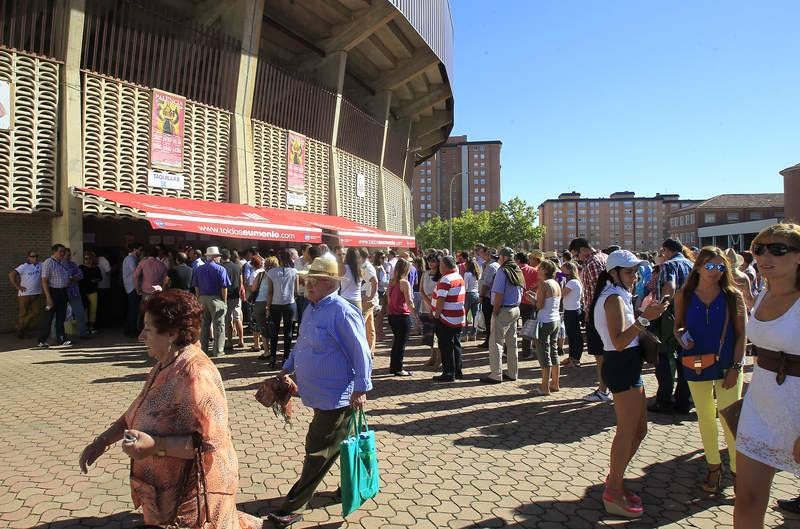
pixel 691 97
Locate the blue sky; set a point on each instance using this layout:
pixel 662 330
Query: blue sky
pixel 691 97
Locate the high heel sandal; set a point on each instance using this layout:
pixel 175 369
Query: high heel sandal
pixel 632 497
pixel 618 504
pixel 711 485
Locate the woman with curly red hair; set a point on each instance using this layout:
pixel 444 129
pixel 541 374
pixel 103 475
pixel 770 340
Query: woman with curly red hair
pixel 184 470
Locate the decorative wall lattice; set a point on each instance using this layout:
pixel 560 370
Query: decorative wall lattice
pixel 362 210
pixel 269 153
pixel 116 145
pixel 28 152
pixel 395 199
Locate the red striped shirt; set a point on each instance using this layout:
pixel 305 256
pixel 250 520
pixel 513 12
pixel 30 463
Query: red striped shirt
pixel 451 289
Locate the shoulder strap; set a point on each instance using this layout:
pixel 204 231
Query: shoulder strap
pixel 724 330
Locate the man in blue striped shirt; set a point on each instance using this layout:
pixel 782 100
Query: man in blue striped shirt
pixel 333 366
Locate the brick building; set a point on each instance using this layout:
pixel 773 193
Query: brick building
pixel 730 220
pixel 635 223
pixel 474 169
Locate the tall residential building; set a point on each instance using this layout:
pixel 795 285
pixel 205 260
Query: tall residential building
pixel 634 223
pixel 473 167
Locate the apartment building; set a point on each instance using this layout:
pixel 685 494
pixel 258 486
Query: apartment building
pixel 470 169
pixel 634 223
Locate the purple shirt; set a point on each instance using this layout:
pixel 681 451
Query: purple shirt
pixel 412 278
pixel 74 272
pixel 512 295
pixel 210 279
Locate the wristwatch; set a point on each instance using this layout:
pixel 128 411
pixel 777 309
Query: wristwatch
pixel 737 366
pixel 644 322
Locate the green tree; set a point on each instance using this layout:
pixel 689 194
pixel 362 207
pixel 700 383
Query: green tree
pixel 511 224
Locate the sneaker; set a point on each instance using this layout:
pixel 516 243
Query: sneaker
pixel 43 345
pixel 66 343
pixel 597 396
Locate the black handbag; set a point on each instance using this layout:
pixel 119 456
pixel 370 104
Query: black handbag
pixel 649 344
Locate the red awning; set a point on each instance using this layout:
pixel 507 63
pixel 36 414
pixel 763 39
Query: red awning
pixel 221 219
pixel 351 233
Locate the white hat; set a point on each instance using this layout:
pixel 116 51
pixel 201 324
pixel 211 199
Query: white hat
pixel 622 259
pixel 212 251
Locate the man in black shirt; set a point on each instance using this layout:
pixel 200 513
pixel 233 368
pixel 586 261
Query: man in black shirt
pixel 233 318
pixel 180 277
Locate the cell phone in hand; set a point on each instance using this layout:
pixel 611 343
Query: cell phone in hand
pixel 665 299
pixel 686 338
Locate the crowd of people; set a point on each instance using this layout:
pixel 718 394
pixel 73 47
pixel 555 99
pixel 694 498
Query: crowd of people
pixel 708 308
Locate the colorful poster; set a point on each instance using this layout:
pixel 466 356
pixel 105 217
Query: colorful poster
pixel 166 131
pixel 6 105
pixel 296 169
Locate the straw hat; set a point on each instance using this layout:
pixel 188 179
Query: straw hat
pixel 322 267
pixel 734 258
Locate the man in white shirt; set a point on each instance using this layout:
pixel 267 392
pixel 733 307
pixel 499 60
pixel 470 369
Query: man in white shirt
pixel 129 265
pixel 26 278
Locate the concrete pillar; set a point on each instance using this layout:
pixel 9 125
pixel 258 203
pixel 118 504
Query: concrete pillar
pixel 330 72
pixel 67 228
pixel 408 169
pixel 247 22
pixel 791 193
pixel 380 106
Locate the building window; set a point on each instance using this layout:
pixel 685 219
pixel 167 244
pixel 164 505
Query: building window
pixel 733 216
pixel 483 156
pixel 483 206
pixel 483 180
pixel 709 218
pixel 755 215
pixel 483 198
pixel 475 182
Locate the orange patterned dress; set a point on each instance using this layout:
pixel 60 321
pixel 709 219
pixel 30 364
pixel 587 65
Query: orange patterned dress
pixel 186 397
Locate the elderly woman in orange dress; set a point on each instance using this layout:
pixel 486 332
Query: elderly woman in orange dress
pixel 184 470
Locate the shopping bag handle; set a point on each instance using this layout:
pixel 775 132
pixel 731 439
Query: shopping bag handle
pixel 357 423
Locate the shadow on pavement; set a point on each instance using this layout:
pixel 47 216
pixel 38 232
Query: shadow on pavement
pixel 669 492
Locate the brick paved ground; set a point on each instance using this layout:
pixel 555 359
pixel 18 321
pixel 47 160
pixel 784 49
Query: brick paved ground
pixel 460 455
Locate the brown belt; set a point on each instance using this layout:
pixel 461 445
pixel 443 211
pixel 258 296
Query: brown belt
pixel 778 362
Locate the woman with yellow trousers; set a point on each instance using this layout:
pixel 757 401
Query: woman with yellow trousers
pixel 710 318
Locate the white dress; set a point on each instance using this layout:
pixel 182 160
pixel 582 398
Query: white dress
pixel 770 421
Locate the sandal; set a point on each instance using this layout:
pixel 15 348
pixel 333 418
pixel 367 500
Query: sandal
pixel 537 392
pixel 254 349
pixel 632 497
pixel 711 485
pixel 617 503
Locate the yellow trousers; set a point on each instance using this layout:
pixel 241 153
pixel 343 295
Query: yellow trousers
pixel 707 406
pixel 91 310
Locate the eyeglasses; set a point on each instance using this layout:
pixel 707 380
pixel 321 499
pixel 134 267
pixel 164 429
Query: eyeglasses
pixel 777 249
pixel 34 256
pixel 711 267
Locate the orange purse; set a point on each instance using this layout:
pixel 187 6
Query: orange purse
pixel 703 361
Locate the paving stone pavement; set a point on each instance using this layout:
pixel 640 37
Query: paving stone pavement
pixel 462 455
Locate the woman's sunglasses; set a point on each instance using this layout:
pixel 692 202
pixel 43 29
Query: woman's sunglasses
pixel 777 249
pixel 711 267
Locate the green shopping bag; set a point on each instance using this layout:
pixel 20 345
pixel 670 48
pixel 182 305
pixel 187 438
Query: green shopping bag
pixel 359 464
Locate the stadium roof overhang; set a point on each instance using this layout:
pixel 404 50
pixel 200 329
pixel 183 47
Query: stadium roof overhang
pixel 401 46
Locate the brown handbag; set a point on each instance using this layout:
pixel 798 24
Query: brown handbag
pixel 649 343
pixel 731 415
pixel 703 361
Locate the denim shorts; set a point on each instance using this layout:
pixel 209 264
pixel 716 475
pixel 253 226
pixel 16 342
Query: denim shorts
pixel 622 370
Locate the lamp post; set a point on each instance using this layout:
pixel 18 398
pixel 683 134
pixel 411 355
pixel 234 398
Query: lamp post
pixel 450 223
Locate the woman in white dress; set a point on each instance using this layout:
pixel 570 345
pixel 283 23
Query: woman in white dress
pixel 768 438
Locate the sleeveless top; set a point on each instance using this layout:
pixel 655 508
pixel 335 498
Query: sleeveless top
pixel 600 322
pixel 704 324
pixel 397 301
pixel 549 312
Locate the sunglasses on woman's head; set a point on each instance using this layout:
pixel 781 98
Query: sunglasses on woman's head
pixel 777 249
pixel 711 267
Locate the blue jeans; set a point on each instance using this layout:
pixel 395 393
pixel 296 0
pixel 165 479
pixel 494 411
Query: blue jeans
pixel 472 302
pixel 80 314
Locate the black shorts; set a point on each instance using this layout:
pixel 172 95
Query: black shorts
pixel 622 370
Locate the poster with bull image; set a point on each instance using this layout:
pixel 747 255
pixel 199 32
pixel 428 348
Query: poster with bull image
pixel 296 169
pixel 166 131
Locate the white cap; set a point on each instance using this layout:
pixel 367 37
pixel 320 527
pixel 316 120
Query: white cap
pixel 622 259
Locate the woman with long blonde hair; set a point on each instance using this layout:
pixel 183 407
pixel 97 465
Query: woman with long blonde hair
pixel 768 437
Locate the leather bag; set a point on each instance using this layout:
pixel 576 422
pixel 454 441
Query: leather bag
pixel 700 362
